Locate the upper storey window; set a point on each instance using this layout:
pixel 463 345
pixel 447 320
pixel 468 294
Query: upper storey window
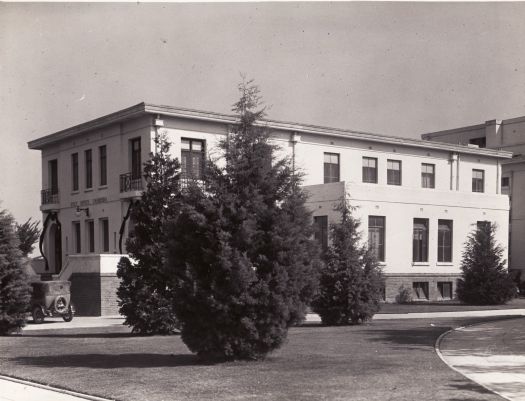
pixel 136 159
pixel 103 165
pixel 74 168
pixel 481 142
pixel 393 172
pixel 192 158
pixel 53 176
pixel 331 167
pixel 428 175
pixel 89 168
pixel 370 170
pixel 478 181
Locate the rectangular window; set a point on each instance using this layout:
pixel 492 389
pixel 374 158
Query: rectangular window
pixel 505 185
pixel 89 168
pixel 104 235
pixel 321 231
pixel 370 170
pixel 103 165
pixel 393 172
pixel 481 142
pixel 376 236
pixel 420 241
pixel 90 233
pixel 478 181
pixel 444 240
pixel 76 236
pixel 483 225
pixel 74 170
pixel 192 158
pixel 445 289
pixel 428 175
pixel 136 159
pixel 331 167
pixel 53 176
pixel 420 289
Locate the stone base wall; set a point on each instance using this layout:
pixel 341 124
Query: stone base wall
pixel 394 282
pixel 94 294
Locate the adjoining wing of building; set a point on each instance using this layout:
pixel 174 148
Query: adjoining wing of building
pixel 507 135
pixel 417 200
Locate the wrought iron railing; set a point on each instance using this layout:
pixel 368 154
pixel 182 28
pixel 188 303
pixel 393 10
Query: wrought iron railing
pixel 130 183
pixel 49 196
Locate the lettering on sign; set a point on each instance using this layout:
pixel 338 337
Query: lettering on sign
pixel 87 202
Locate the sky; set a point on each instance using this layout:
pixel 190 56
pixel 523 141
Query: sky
pixel 398 69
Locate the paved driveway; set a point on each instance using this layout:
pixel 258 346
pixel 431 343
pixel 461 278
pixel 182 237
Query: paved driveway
pixel 491 354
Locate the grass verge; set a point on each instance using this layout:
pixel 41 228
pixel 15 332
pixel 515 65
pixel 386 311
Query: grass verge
pixel 382 360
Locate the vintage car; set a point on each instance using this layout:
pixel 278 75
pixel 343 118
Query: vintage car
pixel 51 298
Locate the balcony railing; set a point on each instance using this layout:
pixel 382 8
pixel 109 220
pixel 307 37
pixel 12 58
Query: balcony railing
pixel 129 183
pixel 49 196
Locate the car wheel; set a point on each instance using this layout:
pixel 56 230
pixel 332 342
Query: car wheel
pixel 38 315
pixel 68 316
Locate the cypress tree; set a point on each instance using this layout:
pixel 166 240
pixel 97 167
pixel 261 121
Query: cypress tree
pixel 144 297
pixel 241 257
pixel 14 286
pixel 485 279
pixel 351 279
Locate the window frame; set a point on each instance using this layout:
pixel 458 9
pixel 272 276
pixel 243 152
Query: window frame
pixel 369 174
pixel 420 252
pixel 187 172
pixel 334 173
pixel 321 231
pixel 381 229
pixel 90 236
pixel 445 251
pixel 441 289
pixel 478 184
pixel 103 165
pixel 430 176
pixel 388 170
pixel 104 234
pixel 75 176
pixel 418 287
pixel 77 235
pixel 135 158
pixel 88 159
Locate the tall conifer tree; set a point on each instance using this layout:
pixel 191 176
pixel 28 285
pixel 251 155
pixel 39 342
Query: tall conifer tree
pixel 241 257
pixel 144 296
pixel 14 286
pixel 351 280
pixel 485 279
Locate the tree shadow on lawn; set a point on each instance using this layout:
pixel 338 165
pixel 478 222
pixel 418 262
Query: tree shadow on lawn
pixel 416 337
pixel 108 361
pixel 95 335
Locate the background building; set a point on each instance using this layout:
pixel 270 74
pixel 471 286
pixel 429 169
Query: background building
pixel 508 135
pixel 417 200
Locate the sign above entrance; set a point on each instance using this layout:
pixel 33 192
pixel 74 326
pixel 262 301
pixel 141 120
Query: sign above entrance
pixel 87 202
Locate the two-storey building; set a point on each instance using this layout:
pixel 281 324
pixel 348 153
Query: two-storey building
pixel 417 200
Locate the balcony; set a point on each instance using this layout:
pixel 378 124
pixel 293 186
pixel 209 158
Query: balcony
pixel 130 187
pixel 49 199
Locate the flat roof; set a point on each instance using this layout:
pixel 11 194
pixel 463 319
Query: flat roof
pixel 142 109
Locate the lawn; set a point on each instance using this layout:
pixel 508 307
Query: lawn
pixel 447 306
pixel 382 360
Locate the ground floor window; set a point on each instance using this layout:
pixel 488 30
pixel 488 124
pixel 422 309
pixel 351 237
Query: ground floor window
pixel 445 289
pixel 104 235
pixel 376 236
pixel 420 289
pixel 90 231
pixel 76 235
pixel 321 231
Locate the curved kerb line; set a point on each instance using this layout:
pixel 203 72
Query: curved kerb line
pixel 438 351
pixel 55 389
